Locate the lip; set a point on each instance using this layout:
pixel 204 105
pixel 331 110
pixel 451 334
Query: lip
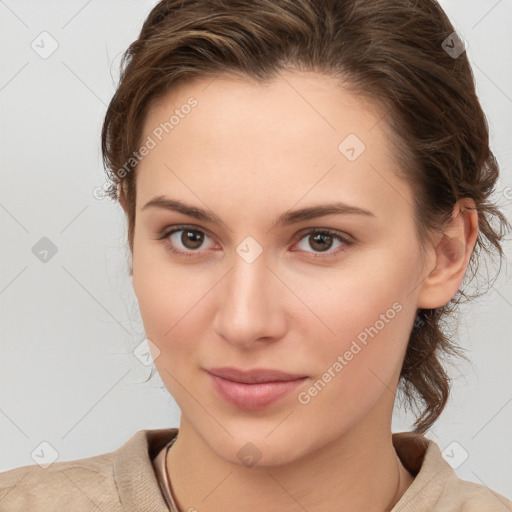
pixel 253 389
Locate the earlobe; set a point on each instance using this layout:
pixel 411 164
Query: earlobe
pixel 452 254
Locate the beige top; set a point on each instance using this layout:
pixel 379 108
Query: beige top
pixel 128 480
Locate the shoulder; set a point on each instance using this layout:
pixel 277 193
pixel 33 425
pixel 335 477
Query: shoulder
pixel 78 485
pixel 436 486
pixel 479 498
pixel 120 480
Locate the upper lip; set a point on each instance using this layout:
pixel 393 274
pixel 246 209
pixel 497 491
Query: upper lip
pixel 254 375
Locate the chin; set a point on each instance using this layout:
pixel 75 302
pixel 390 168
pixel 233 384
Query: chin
pixel 259 450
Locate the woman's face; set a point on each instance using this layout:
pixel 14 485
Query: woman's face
pixel 299 254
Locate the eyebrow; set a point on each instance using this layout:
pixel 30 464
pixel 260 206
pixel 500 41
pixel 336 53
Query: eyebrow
pixel 287 218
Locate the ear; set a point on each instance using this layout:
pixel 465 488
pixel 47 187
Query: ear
pixel 121 194
pixel 452 251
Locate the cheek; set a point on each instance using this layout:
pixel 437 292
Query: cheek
pixel 370 336
pixel 166 309
pixel 368 290
pixel 173 302
pixel 359 367
pixel 368 311
pixel 163 291
pixel 167 303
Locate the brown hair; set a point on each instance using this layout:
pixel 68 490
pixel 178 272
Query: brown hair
pixel 389 51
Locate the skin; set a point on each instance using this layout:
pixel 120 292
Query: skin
pixel 249 153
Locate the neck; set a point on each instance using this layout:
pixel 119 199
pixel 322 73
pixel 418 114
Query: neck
pixel 358 471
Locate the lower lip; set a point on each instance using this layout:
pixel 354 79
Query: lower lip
pixel 253 396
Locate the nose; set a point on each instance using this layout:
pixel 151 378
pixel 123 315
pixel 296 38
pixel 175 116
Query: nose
pixel 251 308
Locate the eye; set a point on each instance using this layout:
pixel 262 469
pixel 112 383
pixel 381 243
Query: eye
pixel 190 241
pixel 321 240
pixel 184 240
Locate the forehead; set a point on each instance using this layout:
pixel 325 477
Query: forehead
pixel 300 137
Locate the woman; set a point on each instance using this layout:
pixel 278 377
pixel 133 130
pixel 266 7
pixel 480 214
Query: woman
pixel 306 185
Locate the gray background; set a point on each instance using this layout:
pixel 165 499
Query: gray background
pixel 69 325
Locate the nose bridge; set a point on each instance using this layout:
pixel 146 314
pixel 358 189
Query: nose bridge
pixel 248 287
pixel 249 307
pixel 248 277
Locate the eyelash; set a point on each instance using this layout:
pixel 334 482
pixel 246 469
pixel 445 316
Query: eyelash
pixel 164 238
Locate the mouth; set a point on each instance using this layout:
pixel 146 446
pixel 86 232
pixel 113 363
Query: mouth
pixel 253 389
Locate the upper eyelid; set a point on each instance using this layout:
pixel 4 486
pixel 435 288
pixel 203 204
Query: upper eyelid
pixel 180 227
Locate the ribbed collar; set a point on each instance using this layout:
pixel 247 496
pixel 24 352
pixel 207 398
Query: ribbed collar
pixel 135 477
